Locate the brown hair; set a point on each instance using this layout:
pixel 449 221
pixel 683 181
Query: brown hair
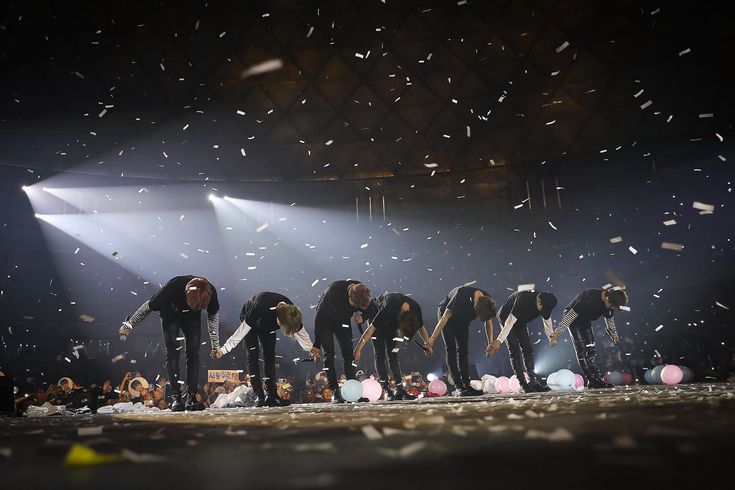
pixel 360 295
pixel 288 318
pixel 408 324
pixel 617 297
pixel 198 293
pixel 485 308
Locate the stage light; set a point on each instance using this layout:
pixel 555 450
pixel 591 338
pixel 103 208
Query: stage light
pixel 37 215
pixel 226 198
pixel 45 189
pixel 212 197
pixel 24 188
pixel 431 377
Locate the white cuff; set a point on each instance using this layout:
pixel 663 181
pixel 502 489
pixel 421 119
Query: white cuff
pixel 302 337
pixel 236 337
pixel 509 322
pixel 548 326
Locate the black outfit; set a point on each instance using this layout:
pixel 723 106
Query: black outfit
pixel 588 307
pixel 259 312
pixel 383 314
pixel 334 319
pixel 522 304
pixel 460 301
pixel 170 303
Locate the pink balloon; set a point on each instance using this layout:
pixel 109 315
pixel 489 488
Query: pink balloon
pixel 627 378
pixel 578 381
pixel 514 385
pixel 371 389
pixel 437 388
pixel 502 385
pixel 671 374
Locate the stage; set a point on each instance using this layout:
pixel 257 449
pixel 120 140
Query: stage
pixel 640 436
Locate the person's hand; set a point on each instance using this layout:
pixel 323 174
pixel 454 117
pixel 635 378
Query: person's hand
pixel 216 353
pixel 357 356
pixel 492 349
pixel 316 353
pixel 128 375
pixel 359 319
pixel 429 349
pixel 125 329
pixel 553 339
pixel 429 344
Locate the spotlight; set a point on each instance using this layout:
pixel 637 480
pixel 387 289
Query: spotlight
pixel 431 377
pixel 45 189
pixel 24 188
pixel 212 197
pixel 37 215
pixel 226 198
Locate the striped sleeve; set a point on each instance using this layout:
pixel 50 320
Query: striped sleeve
pixel 213 329
pixel 569 317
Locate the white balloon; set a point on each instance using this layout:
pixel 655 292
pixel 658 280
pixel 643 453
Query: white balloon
pixel 488 385
pixel 565 379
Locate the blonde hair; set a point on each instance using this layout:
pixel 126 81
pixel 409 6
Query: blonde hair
pixel 288 318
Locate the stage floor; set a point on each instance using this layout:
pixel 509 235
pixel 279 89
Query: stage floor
pixel 640 437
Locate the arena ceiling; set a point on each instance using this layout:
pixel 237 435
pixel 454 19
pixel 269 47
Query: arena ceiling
pixel 362 89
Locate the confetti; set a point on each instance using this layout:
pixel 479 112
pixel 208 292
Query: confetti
pixel 703 207
pixel 261 228
pixel 264 67
pixel 672 246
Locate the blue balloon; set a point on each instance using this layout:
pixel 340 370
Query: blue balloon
pixel 351 390
pixel 615 378
pixel 688 374
pixel 648 376
pixel 565 379
pixel 656 373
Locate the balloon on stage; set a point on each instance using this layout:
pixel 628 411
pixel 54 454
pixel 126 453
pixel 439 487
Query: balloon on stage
pixel 565 379
pixel 614 378
pixel 688 374
pixel 502 385
pixel 551 381
pixel 578 381
pixel 488 383
pixel 671 374
pixel 627 378
pixel 514 385
pixel 648 376
pixel 657 374
pixel 371 389
pixel 351 390
pixel 437 388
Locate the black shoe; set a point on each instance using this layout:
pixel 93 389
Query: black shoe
pixel 470 392
pixel 177 405
pixel 276 401
pixel 192 405
pixel 535 387
pixel 362 399
pixel 389 395
pixel 337 397
pixel 260 401
pixel 402 394
pixel 598 383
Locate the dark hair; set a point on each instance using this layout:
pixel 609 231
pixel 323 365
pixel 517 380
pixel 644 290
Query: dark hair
pixel 617 297
pixel 198 293
pixel 408 324
pixel 485 308
pixel 359 294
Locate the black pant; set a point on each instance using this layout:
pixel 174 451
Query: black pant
pixel 456 336
pixel 520 352
pixel 326 328
pixel 172 324
pixel 253 340
pixel 584 346
pixel 383 346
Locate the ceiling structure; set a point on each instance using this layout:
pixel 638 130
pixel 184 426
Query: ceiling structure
pixel 366 89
